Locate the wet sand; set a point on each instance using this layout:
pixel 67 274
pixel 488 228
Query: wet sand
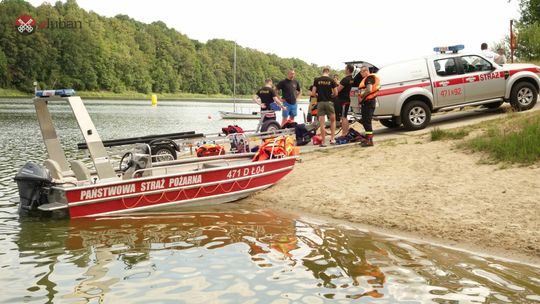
pixel 421 189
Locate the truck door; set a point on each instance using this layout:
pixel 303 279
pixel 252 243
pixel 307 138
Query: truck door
pixel 482 79
pixel 447 85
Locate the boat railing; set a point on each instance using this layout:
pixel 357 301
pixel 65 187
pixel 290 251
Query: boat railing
pixel 226 160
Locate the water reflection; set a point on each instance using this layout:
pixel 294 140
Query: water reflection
pixel 237 256
pixel 228 255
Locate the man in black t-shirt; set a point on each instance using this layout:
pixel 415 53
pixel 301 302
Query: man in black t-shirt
pixel 343 100
pixel 325 88
pixel 267 98
pixel 290 91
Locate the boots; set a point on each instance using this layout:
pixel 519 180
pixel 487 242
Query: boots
pixel 368 142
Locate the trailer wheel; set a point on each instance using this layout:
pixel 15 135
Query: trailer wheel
pixel 523 96
pixel 270 126
pixel 415 115
pixel 163 152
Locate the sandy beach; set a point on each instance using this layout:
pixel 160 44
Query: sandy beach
pixel 415 187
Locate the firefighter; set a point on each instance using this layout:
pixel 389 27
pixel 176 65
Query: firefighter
pixel 367 93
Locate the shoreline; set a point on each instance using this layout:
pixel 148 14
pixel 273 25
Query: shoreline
pixel 476 249
pixel 242 100
pixel 442 195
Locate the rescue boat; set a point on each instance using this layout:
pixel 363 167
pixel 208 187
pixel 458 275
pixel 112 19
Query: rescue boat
pixel 142 181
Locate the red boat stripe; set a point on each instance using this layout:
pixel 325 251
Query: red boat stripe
pixel 108 198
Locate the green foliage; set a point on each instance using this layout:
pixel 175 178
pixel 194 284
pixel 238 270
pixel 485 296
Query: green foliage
pixel 528 30
pixel 529 42
pixel 438 134
pixel 120 54
pixel 519 144
pixel 530 11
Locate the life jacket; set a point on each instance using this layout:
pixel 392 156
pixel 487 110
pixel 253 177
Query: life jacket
pixel 210 150
pixel 277 147
pixel 374 88
pixel 232 129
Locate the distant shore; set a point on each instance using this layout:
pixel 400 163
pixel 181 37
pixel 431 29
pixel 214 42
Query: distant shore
pixel 9 93
pixel 5 94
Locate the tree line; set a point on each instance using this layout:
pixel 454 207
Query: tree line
pixel 120 54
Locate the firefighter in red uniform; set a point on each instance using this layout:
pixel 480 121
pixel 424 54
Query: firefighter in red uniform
pixel 367 93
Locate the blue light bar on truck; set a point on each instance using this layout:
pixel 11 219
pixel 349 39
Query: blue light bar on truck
pixel 51 93
pixel 451 48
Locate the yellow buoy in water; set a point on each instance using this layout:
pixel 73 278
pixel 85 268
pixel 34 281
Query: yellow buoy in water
pixel 154 100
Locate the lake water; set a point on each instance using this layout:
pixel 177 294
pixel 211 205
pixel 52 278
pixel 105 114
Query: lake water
pixel 228 254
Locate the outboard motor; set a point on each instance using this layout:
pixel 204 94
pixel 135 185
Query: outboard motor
pixel 33 182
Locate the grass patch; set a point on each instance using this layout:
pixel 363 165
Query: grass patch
pixel 438 134
pixel 515 141
pixel 13 93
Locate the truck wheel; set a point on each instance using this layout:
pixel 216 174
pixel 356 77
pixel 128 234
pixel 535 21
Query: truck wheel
pixel 389 123
pixel 163 153
pixel 270 126
pixel 415 115
pixel 523 96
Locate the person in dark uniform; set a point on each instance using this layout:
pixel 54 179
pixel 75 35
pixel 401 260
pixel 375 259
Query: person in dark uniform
pixel 367 93
pixel 325 88
pixel 312 107
pixel 343 99
pixel 290 92
pixel 267 98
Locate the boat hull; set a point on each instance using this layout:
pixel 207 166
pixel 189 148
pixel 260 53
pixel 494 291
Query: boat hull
pixel 194 188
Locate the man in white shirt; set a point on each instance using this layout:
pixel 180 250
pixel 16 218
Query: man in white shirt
pixel 489 54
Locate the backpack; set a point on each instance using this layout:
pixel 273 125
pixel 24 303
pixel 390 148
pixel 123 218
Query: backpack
pixel 354 136
pixel 303 135
pixel 230 129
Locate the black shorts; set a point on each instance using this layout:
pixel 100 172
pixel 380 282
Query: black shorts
pixel 342 108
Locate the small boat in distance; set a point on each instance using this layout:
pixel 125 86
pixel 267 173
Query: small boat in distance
pixel 143 181
pixel 239 115
pixel 234 114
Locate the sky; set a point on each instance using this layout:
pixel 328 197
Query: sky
pixel 328 33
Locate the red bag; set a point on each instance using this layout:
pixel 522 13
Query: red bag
pixel 210 150
pixel 232 129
